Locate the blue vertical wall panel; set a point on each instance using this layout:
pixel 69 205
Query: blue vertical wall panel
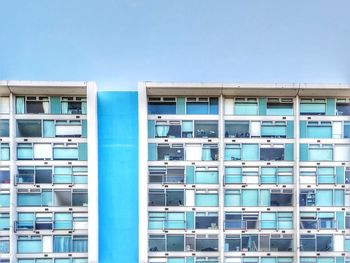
pixel 118 176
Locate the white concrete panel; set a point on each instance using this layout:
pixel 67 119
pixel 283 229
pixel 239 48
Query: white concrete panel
pixel 337 130
pixel 62 130
pixel 193 152
pixel 338 243
pixel 341 152
pixel 189 197
pixel 228 106
pixel 47 244
pixel 255 130
pixel 43 151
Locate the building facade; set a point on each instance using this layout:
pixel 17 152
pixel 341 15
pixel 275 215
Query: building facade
pixel 174 173
pixel 244 173
pixel 45 175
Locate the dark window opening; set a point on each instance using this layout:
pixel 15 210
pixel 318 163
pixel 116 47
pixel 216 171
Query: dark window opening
pixel 281 199
pixel 271 154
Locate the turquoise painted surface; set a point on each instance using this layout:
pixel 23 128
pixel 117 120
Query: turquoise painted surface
pixel 118 176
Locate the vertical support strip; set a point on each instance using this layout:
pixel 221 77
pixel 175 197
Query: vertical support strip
pixel 13 169
pixel 143 157
pixel 92 171
pixel 296 182
pixel 221 177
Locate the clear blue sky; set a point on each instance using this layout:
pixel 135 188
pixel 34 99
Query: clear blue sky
pixel 120 42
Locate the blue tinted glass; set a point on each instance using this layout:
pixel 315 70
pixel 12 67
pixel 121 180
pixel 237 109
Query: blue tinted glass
pixel 214 109
pixel 197 108
pixel 161 108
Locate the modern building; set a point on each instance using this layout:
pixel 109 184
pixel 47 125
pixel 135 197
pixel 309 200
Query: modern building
pixel 48 188
pixel 174 173
pixel 244 173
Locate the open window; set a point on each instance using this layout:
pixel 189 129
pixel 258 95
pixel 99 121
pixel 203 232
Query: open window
pixel 343 107
pixel 32 105
pixel 206 220
pixel 166 152
pixel 237 129
pixel 281 197
pixel 269 152
pixel 73 105
pixel 29 128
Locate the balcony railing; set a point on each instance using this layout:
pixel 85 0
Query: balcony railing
pixel 54 179
pixel 318 224
pixel 29 225
pixel 258 224
pixel 168 224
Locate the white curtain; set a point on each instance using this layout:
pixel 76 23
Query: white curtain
pixel 46 106
pixel 162 130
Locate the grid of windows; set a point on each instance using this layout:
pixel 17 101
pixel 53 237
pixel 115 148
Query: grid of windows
pixel 224 184
pixel 43 178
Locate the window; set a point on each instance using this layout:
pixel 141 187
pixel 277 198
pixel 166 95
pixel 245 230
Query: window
pixel 4 176
pixel 65 244
pixel 162 105
pixel 29 128
pixel 65 151
pixel 317 175
pixel 206 243
pixel 246 106
pixel 70 175
pixel 313 107
pixel 237 129
pixel 70 128
pixel 320 220
pixel 34 197
pixel 206 129
pixel 276 175
pixel 4 151
pixel 246 152
pixel 206 220
pixel 279 106
pixel 29 244
pixel 272 152
pixel 166 198
pixel 168 129
pixel 274 129
pixel 175 243
pixel 171 175
pixel 316 243
pixel 201 106
pixel 24 151
pixel 321 129
pixel 233 243
pixel 80 197
pixel 347 129
pixel 4 198
pixel 4 221
pixel 156 243
pixel 73 105
pixel 206 176
pixel 168 152
pixel 320 152
pixel 4 245
pixel 307 198
pixel 342 107
pixel 32 105
pixel 281 197
pixel 4 127
pixel 206 198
